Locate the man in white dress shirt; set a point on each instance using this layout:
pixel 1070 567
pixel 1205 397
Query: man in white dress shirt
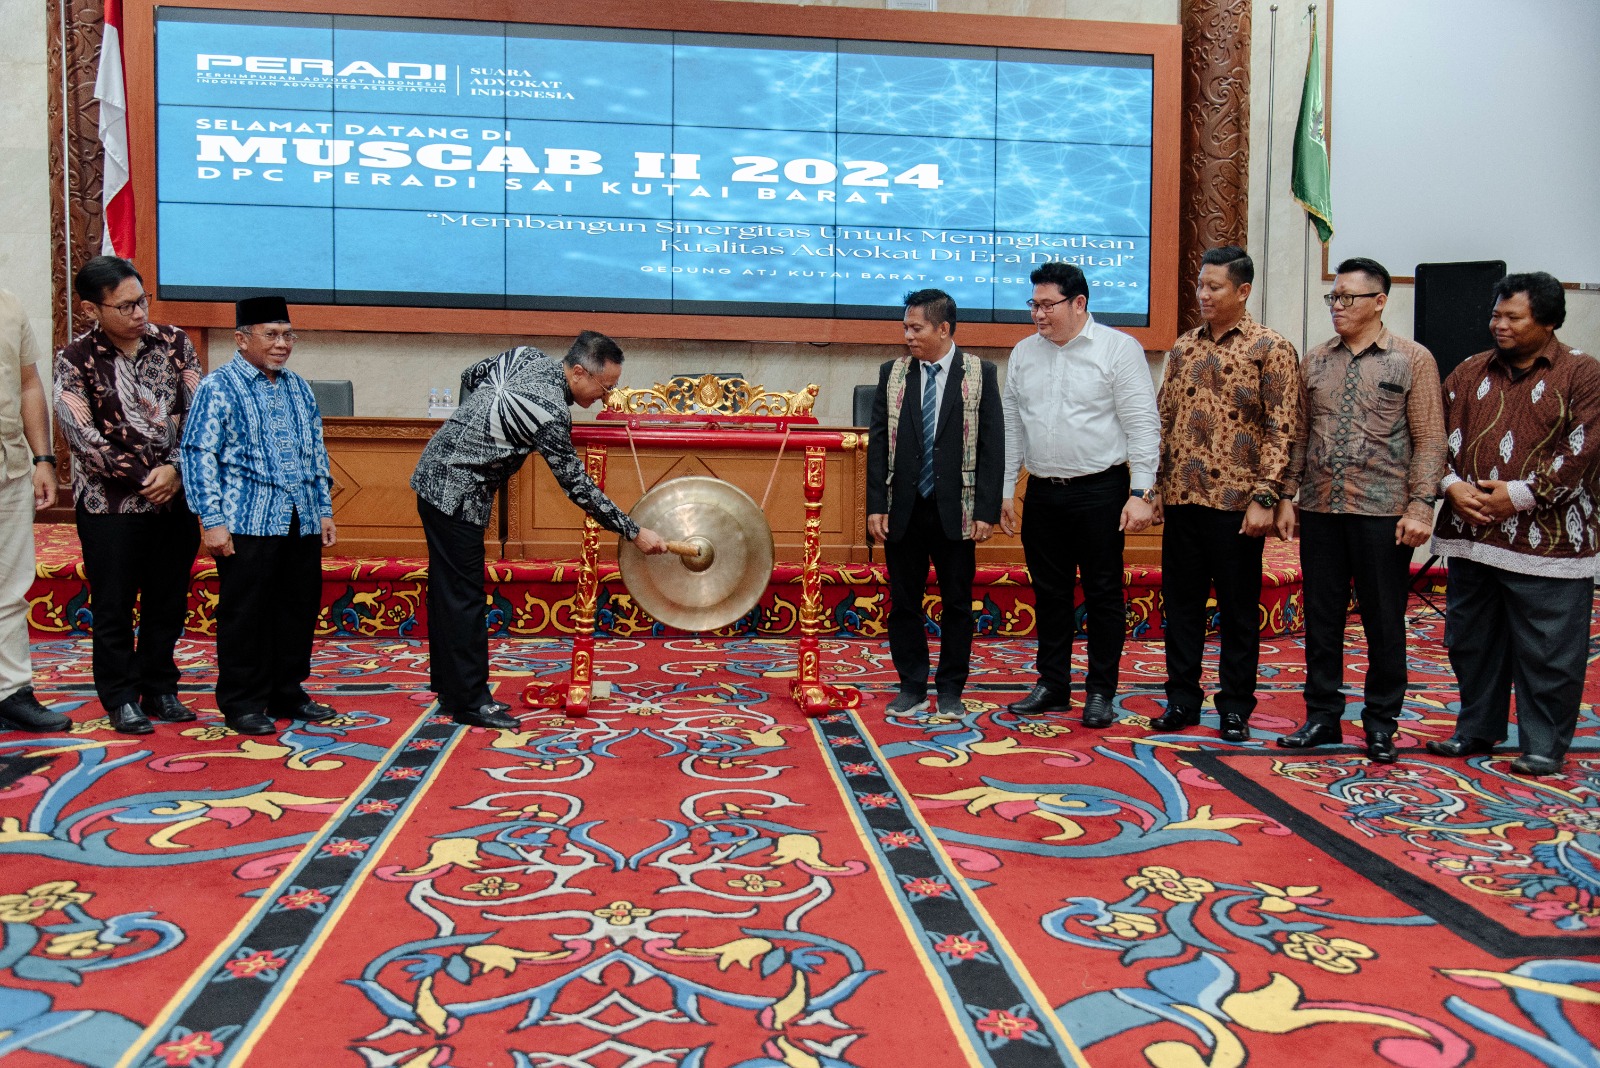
pixel 1081 416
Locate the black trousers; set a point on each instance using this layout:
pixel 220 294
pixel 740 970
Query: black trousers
pixel 1069 534
pixel 955 563
pixel 1202 550
pixel 1530 633
pixel 270 594
pixel 458 640
pixel 146 557
pixel 1337 551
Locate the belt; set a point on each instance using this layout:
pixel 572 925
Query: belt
pixel 1056 480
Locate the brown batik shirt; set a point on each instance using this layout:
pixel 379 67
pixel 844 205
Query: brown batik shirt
pixel 1539 433
pixel 1229 408
pixel 123 415
pixel 1372 440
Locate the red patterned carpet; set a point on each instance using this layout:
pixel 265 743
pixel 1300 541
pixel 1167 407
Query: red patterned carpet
pixel 698 877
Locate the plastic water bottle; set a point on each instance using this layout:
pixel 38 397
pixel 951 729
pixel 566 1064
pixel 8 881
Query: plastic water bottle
pixel 449 404
pixel 433 404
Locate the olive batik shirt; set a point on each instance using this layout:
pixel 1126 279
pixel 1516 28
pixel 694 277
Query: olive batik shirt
pixel 1372 440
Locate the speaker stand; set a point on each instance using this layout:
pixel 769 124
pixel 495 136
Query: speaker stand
pixel 1419 586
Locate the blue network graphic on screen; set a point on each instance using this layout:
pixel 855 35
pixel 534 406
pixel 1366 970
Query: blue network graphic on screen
pixel 462 164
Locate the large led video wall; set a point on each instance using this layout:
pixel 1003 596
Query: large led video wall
pixel 426 162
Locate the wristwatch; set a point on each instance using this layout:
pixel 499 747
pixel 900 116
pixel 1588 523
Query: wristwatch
pixel 1144 494
pixel 45 459
pixel 1266 499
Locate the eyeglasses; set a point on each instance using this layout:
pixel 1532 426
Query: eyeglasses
pixel 599 380
pixel 1345 299
pixel 272 337
pixel 127 307
pixel 1046 305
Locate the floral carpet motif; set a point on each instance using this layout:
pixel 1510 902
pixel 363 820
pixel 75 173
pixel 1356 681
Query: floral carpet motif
pixel 698 877
pixel 1508 862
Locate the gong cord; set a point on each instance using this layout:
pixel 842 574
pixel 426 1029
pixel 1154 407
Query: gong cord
pixel 773 477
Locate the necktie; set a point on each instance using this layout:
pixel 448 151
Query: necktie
pixel 930 423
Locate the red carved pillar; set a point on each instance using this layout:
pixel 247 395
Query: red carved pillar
pixel 573 695
pixel 814 696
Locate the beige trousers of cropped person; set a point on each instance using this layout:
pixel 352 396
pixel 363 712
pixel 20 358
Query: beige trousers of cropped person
pixel 16 577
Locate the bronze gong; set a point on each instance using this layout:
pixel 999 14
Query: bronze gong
pixel 720 557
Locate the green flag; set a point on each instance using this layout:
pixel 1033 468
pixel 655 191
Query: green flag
pixel 1309 182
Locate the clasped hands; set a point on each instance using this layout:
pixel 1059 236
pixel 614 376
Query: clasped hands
pixel 1487 501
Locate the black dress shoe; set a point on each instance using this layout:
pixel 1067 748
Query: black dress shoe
pixel 313 712
pixel 500 706
pixel 1535 764
pixel 1041 699
pixel 1314 733
pixel 1098 711
pixel 1175 718
pixel 251 723
pixel 129 719
pixel 167 708
pixel 23 712
pixel 1380 747
pixel 486 716
pixel 1234 727
pixel 1459 745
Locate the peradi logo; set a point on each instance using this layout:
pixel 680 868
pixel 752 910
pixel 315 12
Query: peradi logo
pixel 298 65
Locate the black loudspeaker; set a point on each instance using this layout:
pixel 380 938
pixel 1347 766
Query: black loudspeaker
pixel 1451 315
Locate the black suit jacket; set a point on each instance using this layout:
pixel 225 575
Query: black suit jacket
pixel 897 497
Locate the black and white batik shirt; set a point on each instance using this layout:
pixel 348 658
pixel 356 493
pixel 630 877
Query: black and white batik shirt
pixel 519 402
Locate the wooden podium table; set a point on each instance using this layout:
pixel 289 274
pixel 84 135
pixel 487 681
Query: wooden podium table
pixel 376 510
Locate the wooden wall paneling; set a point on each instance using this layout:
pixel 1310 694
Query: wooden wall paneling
pixel 1215 174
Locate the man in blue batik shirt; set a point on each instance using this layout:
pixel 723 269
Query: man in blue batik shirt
pixel 256 473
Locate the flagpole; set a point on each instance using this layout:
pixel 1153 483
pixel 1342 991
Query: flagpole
pixel 1305 289
pixel 1305 251
pixel 1272 100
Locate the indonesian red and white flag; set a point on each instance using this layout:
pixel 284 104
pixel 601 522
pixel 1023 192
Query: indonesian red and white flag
pixel 110 89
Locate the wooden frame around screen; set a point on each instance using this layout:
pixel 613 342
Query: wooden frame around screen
pixel 1163 43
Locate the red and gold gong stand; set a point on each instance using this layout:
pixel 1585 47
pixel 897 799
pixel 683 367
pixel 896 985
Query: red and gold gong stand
pixel 815 695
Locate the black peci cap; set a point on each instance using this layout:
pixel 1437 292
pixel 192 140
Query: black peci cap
pixel 253 310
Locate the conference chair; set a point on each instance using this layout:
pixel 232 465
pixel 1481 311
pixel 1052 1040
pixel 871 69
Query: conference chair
pixel 335 396
pixel 861 405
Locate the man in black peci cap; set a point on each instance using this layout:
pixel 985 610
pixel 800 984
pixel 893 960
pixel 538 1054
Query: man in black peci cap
pixel 256 473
